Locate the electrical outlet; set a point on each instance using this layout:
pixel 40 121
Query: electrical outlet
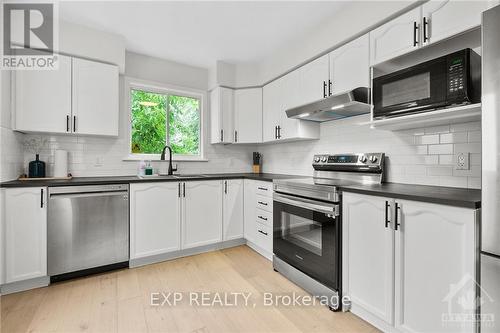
pixel 462 161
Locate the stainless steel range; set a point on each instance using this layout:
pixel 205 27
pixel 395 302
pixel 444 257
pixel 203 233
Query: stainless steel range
pixel 307 235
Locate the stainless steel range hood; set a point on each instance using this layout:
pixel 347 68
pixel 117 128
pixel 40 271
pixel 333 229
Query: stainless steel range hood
pixel 347 104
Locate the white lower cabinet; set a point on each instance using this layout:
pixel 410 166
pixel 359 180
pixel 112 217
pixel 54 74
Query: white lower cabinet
pixel 232 226
pixel 409 267
pixel 201 213
pixel 155 219
pixel 25 229
pixel 249 215
pixel 258 217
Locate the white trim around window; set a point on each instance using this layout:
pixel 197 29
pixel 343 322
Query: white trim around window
pixel 163 88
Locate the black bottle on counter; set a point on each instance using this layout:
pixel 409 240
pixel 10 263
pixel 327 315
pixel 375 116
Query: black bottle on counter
pixel 36 168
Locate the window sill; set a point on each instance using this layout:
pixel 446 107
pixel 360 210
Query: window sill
pixel 132 158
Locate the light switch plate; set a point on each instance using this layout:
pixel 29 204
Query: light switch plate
pixel 462 161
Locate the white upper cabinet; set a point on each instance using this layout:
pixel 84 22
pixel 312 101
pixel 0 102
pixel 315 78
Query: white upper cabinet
pixel 350 66
pixel 221 115
pixel 43 99
pixel 202 213
pixel 313 81
pixel 443 19
pixel 155 219
pixel 272 104
pixel 369 252
pixel 248 115
pixel 232 227
pixel 396 37
pixel 25 218
pixel 95 98
pixel 80 97
pixel 435 251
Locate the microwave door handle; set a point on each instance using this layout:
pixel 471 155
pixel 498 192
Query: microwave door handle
pixel 308 204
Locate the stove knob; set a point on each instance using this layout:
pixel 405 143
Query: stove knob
pixel 363 159
pixel 323 159
pixel 316 159
pixel 373 158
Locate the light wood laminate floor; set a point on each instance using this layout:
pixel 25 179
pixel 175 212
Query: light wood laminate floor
pixel 120 301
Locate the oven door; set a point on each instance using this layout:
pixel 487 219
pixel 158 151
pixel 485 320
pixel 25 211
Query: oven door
pixel 307 235
pixel 411 90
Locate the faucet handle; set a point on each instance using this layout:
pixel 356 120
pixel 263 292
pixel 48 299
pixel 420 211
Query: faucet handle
pixel 174 167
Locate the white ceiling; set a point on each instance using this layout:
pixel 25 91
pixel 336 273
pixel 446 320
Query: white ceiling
pixel 199 33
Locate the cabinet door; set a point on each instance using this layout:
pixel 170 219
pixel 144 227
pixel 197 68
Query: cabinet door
pixel 95 98
pixel 396 37
pixel 248 115
pixel 202 213
pixel 271 106
pixel 313 80
pixel 435 267
pixel 368 255
pixel 447 18
pixel 350 65
pixel 221 115
pixel 290 96
pixel 25 233
pixel 154 218
pixel 232 227
pixel 43 99
pixel 250 217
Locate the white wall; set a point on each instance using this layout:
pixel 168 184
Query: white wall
pixel 420 156
pixel 93 156
pixel 11 149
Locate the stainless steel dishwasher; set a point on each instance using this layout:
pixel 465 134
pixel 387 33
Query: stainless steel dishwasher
pixel 88 230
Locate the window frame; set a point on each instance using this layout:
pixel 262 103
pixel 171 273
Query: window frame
pixel 163 88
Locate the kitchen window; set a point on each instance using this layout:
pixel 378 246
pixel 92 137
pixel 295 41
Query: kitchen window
pixel 160 116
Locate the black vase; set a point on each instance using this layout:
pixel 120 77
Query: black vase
pixel 36 168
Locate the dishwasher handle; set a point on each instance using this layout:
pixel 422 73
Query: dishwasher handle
pixel 87 194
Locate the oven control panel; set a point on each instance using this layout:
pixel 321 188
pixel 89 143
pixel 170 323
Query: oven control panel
pixel 354 160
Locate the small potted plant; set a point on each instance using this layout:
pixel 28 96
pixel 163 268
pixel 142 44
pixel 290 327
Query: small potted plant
pixel 34 145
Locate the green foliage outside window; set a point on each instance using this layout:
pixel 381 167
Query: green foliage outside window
pixel 149 123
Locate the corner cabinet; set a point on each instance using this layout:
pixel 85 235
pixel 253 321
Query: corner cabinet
pixel 415 253
pixel 248 115
pixel 201 213
pixel 25 227
pixel 80 97
pixel 232 226
pixel 155 218
pixel 221 115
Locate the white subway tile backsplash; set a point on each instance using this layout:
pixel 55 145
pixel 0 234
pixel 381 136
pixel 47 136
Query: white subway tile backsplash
pixel 427 139
pixel 441 149
pixel 474 136
pixel 440 171
pixel 437 129
pixel 473 148
pixel 446 159
pixel 474 171
pixel 458 137
pixel 474 182
pixel 464 127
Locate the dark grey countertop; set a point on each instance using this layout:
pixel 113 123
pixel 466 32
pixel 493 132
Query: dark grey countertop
pixel 460 197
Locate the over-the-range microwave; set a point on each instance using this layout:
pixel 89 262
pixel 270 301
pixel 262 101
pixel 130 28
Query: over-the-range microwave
pixel 453 79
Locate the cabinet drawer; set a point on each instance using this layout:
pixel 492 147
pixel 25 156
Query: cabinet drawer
pixel 264 203
pixel 263 217
pixel 264 237
pixel 264 188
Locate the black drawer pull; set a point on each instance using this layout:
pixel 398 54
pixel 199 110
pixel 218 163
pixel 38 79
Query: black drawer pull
pixel 262 203
pixel 262 218
pixel 262 188
pixel 262 232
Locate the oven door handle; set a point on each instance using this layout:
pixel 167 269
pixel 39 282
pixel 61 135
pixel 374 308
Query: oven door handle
pixel 316 206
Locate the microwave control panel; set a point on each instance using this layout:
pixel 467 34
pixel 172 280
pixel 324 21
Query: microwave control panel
pixel 456 75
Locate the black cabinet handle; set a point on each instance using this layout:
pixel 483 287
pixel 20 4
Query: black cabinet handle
pixel 67 123
pixel 74 123
pixel 262 188
pixel 396 209
pixel 387 206
pixel 276 132
pixel 179 190
pixel 262 218
pixel 225 186
pixel 235 136
pixel 415 31
pixel 262 203
pixel 329 87
pixel 222 135
pixel 426 23
pixel 279 132
pixel 262 232
pixel 184 190
pixel 324 89
pixel 41 198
